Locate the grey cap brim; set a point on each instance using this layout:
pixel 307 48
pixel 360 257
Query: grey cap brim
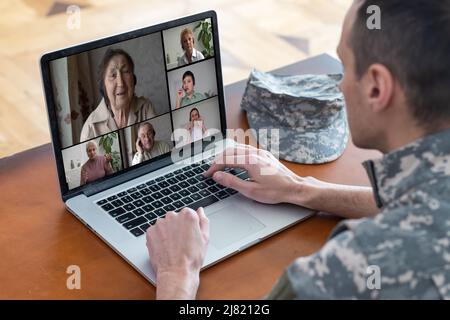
pixel 297 145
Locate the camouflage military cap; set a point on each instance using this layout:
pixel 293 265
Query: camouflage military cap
pixel 308 110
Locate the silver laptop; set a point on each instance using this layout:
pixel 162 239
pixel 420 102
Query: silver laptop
pixel 135 120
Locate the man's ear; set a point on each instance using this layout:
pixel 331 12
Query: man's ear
pixel 380 87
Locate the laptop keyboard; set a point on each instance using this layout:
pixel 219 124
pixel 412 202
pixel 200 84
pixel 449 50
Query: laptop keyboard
pixel 139 207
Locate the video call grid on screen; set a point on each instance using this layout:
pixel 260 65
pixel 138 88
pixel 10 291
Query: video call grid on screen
pixel 83 115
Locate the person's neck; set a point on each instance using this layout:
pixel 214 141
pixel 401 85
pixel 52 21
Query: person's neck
pixel 121 115
pixel 403 135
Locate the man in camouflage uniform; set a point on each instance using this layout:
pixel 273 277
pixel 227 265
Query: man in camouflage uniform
pixel 396 87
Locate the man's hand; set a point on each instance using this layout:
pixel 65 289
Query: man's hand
pixel 271 182
pixel 177 246
pixel 138 146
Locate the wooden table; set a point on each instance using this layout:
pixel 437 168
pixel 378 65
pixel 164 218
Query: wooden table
pixel 39 238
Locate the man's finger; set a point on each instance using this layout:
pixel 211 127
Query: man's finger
pixel 236 161
pixel 233 182
pixel 204 221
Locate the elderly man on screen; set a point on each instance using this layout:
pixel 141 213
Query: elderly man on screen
pixel 146 146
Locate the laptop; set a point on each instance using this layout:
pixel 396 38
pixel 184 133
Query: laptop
pixel 135 120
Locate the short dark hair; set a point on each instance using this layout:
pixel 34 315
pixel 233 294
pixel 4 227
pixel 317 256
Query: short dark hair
pixel 109 54
pixel 189 74
pixel 413 43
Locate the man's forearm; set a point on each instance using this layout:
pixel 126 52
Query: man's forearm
pixel 351 202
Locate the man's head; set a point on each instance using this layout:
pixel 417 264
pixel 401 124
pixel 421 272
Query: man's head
pixel 116 78
pixel 396 79
pixel 188 82
pixel 146 134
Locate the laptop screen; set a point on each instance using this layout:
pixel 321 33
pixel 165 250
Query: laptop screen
pixel 132 101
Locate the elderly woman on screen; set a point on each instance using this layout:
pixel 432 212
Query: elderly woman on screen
pixel 187 44
pixel 119 106
pixel 97 166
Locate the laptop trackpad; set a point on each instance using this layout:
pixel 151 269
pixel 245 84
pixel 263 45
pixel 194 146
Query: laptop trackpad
pixel 231 224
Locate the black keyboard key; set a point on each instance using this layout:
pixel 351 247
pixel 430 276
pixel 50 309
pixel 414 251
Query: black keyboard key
pixel 200 177
pixel 144 227
pixel 183 184
pixel 187 200
pixel 184 193
pixel 181 177
pixel 175 196
pixel 151 182
pixel 175 188
pixel 178 171
pixel 126 199
pixel 189 174
pixel 112 198
pixel 178 204
pixel 122 194
pixel 107 207
pixel 159 179
pixel 166 192
pixel 147 199
pixel 116 212
pixel 205 166
pixel 204 202
pixel 169 175
pixel 157 204
pixel 213 189
pixel 187 168
pixel 231 191
pixel 169 207
pixel 148 207
pixel 243 175
pixel 136 195
pixel 222 194
pixel 201 185
pixel 192 181
pixel 196 196
pixel 140 203
pixel 193 189
pixel 155 188
pixel 132 190
pixel 146 191
pixel 204 193
pixel 150 216
pixel 166 200
pixel 126 217
pixel 159 212
pixel 138 212
pixel 152 222
pixel 102 202
pixel 117 203
pixel 141 186
pixel 210 182
pixel 163 184
pixel 236 171
pixel 129 207
pixel 134 223
pixel 172 181
pixel 137 232
pixel 198 170
pixel 157 195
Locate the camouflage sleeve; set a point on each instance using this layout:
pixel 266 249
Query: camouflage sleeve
pixel 337 271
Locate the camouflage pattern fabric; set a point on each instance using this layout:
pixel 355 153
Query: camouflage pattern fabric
pixel 409 240
pixel 308 110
